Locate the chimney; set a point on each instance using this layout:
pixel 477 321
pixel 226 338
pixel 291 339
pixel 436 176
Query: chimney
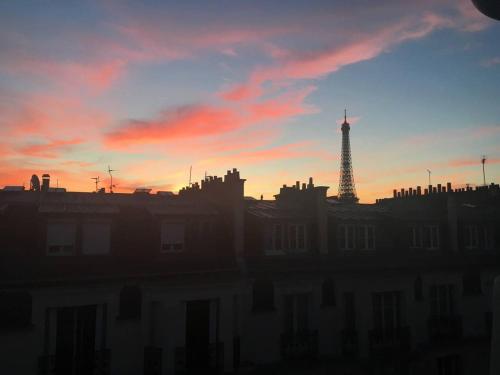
pixel 45 182
pixel 426 191
pixel 394 193
pixel 410 191
pixel 448 187
pixel 439 188
pixel 419 190
pixel 297 185
pixel 303 186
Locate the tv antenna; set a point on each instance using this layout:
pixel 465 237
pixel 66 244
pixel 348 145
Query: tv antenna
pixel 111 186
pixel 483 162
pixel 97 180
pixel 190 170
pixel 429 172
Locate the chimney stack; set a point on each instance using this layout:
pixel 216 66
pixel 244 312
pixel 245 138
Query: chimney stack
pixel 45 182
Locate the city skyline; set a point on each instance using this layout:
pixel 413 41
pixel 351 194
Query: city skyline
pixel 152 91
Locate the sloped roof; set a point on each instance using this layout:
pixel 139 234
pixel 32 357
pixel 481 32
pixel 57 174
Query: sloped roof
pixel 271 210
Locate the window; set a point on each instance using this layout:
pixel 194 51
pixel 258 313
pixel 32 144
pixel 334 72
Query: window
pixel 96 237
pixel 366 237
pixel 387 312
pixel 347 237
pixel 328 293
pixel 349 311
pixel 172 237
pixel 130 302
pixel 61 238
pixel 431 237
pixel 263 295
pixel 471 237
pixel 278 237
pixel 442 300
pixel 297 313
pixel 489 238
pixel 296 237
pixel 415 237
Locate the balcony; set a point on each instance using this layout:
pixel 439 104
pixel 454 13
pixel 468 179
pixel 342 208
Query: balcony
pixel 100 365
pixel 389 340
pixel 302 345
pixel 444 327
pixel 349 342
pixel 215 363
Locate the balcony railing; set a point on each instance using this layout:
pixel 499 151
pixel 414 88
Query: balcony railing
pixel 215 363
pixel 384 341
pixel 302 345
pixel 349 343
pixel 445 327
pixel 47 365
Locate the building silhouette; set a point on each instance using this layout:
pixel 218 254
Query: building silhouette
pixel 207 281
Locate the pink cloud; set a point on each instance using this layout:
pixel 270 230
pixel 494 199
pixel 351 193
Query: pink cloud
pixel 50 149
pixel 183 122
pixel 188 122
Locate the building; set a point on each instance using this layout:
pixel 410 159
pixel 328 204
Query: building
pixel 206 280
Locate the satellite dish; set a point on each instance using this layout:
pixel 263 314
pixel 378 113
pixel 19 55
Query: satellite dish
pixel 35 183
pixel 490 8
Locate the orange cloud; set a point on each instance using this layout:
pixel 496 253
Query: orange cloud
pixel 182 122
pixel 188 122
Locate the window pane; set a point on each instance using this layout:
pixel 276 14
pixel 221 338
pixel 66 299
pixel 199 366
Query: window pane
pixel 96 237
pixel 172 237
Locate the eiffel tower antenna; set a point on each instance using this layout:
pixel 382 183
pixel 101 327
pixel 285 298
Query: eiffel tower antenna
pixel 347 189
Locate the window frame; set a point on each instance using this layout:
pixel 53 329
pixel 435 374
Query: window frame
pixel 69 222
pixel 163 236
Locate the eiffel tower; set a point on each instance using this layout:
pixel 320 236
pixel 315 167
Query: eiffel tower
pixel 347 190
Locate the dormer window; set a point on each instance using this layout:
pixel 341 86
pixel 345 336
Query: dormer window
pixel 96 235
pixel 424 236
pixel 367 237
pixel 347 237
pixel 415 237
pixel 172 237
pixel 296 237
pixel 61 237
pixel 278 237
pixel 471 237
pixel 361 237
pixel 431 237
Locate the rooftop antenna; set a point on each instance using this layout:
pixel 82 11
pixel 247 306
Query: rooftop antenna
pixel 111 186
pixel 483 162
pixel 190 170
pixel 429 172
pixel 97 180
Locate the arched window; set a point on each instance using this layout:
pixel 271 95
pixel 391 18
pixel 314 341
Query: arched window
pixel 328 293
pixel 263 295
pixel 130 302
pixel 15 310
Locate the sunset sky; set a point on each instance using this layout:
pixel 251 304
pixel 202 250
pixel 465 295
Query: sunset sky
pixel 154 88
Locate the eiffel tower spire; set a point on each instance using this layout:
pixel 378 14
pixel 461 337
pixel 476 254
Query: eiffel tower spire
pixel 347 190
